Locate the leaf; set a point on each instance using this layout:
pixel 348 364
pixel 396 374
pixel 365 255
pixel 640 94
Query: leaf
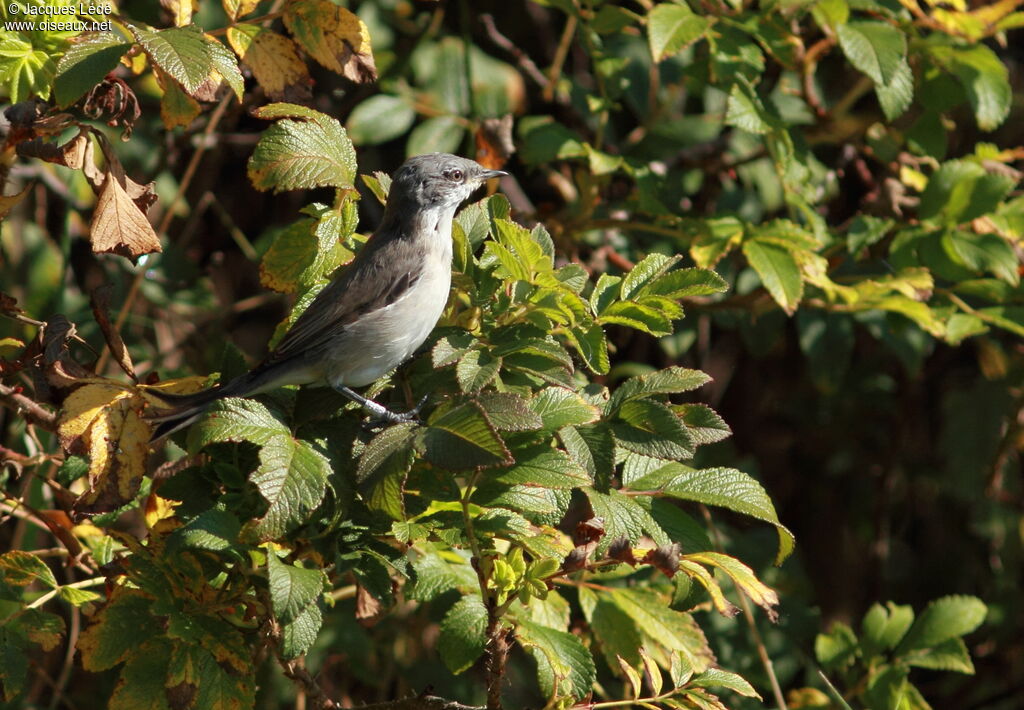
pixel 671 380
pixel 273 59
pixel 298 636
pixel 950 655
pixel 438 134
pixel 684 283
pixel 732 489
pixel 592 345
pixel 671 28
pixel 544 467
pixel 292 588
pixel 718 678
pixel 564 665
pixel 652 429
pixel 836 648
pixel 182 52
pixel 78 597
pixel 22 569
pixel 117 629
pixel 334 36
pixel 664 627
pixel 118 225
pixel 746 111
pixel 379 119
pixel 703 423
pixel 559 407
pixel 436 574
pixel 225 64
pixel 462 438
pixel 292 478
pixel 25 70
pixel 778 270
pixel 743 577
pixel 299 154
pixel 645 272
pixel 212 529
pixel 476 369
pixel 463 634
pixel 983 252
pixel 943 619
pixel 383 468
pixel 592 447
pixel 85 64
pixel 864 231
pixel 876 48
pixel 509 412
pixel 235 419
pixel 177 109
pixel 984 77
pixel 896 96
pixel 961 191
pixel 638 317
pixel 623 517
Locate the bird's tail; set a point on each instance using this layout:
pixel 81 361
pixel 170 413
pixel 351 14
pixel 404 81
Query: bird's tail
pixel 184 409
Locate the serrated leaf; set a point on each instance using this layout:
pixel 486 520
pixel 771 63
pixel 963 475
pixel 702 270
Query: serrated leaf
pixel 226 65
pixel 559 407
pixel 212 529
pixel 961 191
pixel 943 619
pixel 273 59
pixel 292 588
pixel 623 517
pixel 292 478
pixel 742 576
pixel 383 468
pixel 778 270
pixel 644 272
pixel 746 111
pixel 85 64
pixel 462 438
pixel 182 52
pixel 235 419
pixel 671 380
pixel 592 447
pixel 836 648
pixel 671 28
pixel 684 283
pixel 876 48
pixel 299 635
pixel 984 77
pixel 379 119
pixel 301 154
pixel 508 411
pixel 636 316
pixel 703 423
pixel 983 252
pixel 543 467
pixel 718 678
pixel 592 345
pixel 334 36
pixel 884 626
pixel 114 632
pixel 436 574
pixel 463 634
pixel 674 630
pixel 652 429
pixel 78 597
pixel 732 489
pixel 950 655
pixel 896 96
pixel 567 668
pixel 477 369
pixel 22 569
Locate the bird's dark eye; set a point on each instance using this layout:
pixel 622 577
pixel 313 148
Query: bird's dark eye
pixel 455 175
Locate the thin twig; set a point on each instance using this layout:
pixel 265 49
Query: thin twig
pixel 560 55
pixel 521 57
pixel 33 411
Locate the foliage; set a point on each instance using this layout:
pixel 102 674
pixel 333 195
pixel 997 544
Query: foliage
pixel 565 508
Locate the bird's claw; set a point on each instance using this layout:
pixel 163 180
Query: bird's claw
pixel 382 419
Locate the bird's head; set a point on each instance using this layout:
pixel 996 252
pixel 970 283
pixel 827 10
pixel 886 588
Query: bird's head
pixel 437 181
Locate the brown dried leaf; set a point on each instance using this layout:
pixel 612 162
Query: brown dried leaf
pixel 180 10
pixel 494 144
pixel 119 225
pixel 665 558
pixel 368 607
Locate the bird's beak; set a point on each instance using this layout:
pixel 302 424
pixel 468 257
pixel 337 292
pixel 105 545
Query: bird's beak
pixel 488 174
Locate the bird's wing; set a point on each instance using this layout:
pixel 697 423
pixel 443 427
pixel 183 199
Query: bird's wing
pixel 377 277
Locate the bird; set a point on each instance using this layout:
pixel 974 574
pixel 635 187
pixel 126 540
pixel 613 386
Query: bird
pixel 376 312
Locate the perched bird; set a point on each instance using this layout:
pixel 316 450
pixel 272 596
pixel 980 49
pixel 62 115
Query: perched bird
pixel 378 310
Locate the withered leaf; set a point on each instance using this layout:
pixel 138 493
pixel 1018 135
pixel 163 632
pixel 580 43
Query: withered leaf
pixel 99 299
pixel 119 225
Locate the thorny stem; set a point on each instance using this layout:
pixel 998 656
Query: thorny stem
pixel 748 614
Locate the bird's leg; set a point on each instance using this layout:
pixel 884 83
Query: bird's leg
pixel 379 411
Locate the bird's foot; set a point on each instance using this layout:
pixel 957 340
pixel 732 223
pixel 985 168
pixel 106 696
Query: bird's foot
pixel 381 416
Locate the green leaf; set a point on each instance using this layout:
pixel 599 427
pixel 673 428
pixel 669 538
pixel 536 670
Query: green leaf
pixel 684 283
pixel 950 655
pixel 235 419
pixel 671 380
pixel 888 689
pixel 638 317
pixel 732 489
pixel 943 619
pixel 13 662
pixel 299 635
pixel 292 588
pixel 837 648
pixel 718 678
pixel 746 111
pixel 292 477
pixel 623 517
pixel 436 574
pixel 592 345
pixel 671 28
pixel 212 529
pixel 896 96
pixel 864 231
pixel 645 272
pixel 78 597
pixel 652 429
pixel 703 423
pixel 463 634
pixel 462 438
pixel 301 154
pixel 119 628
pixel 379 119
pixel 778 270
pixel 884 626
pixel 559 407
pixel 477 369
pixel 674 630
pixel 564 665
pixel 25 70
pixel 182 52
pixel 592 447
pixel 544 140
pixel 984 77
pixel 544 467
pixel 22 569
pixel 961 191
pixel 383 468
pixel 876 48
pixel 983 252
pixel 86 64
pixel 508 411
pixel 439 134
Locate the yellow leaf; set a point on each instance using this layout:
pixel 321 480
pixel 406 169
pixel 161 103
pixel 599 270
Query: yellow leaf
pixel 181 385
pixel 913 178
pixel 273 59
pixel 176 107
pixel 181 10
pixel 333 36
pixel 239 8
pixel 158 509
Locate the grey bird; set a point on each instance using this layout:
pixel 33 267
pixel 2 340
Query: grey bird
pixel 378 310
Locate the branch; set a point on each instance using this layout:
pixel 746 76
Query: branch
pixel 34 412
